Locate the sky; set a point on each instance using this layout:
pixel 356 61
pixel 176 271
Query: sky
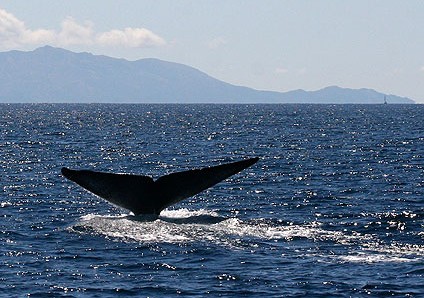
pixel 277 45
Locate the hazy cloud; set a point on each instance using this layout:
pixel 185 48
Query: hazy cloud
pixel 281 70
pixel 130 37
pixel 73 33
pixel 301 71
pixel 217 42
pixel 14 34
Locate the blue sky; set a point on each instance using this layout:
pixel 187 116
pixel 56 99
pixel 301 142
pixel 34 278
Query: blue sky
pixel 264 44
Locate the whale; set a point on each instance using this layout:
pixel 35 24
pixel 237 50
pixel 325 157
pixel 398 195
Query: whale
pixel 142 195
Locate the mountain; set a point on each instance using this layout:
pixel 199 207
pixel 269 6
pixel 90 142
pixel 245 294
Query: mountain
pixel 50 74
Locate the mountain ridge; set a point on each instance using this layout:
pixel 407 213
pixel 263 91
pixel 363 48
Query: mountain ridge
pixel 49 74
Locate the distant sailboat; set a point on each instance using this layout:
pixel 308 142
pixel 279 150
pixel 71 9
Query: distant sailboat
pixel 385 100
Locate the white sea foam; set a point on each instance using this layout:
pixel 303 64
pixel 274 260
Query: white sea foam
pixel 375 252
pixel 5 204
pixel 184 226
pixel 364 257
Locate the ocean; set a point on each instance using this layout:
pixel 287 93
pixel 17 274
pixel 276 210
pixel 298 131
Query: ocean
pixel 333 208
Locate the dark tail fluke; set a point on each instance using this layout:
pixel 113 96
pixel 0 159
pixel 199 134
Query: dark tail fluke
pixel 143 196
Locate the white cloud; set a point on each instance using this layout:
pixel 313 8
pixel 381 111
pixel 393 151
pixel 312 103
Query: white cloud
pixel 130 37
pixel 39 36
pixel 10 27
pixel 14 34
pixel 72 33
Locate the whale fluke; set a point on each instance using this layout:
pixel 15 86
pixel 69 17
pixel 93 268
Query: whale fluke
pixel 143 195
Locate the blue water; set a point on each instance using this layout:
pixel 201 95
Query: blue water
pixel 335 206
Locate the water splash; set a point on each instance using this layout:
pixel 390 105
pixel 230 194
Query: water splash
pixel 183 226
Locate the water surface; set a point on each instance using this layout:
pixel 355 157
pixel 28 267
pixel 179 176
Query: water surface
pixel 334 206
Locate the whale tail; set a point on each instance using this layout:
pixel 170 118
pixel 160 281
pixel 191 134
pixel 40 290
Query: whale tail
pixel 143 195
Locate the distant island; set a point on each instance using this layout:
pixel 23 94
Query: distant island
pixel 50 74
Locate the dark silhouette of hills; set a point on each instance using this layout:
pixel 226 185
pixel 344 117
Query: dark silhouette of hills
pixel 51 74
